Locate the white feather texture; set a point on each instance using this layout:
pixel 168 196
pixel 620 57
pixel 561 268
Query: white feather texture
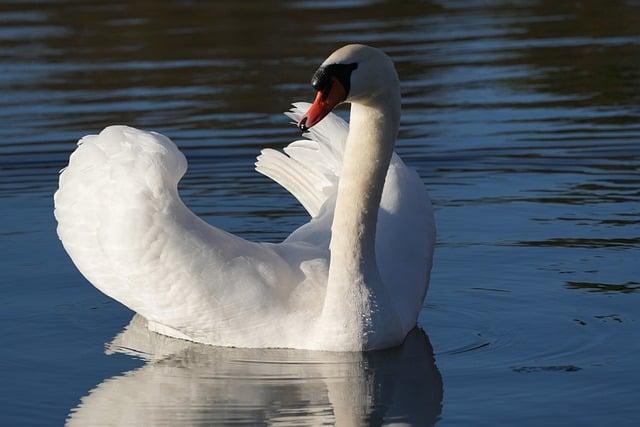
pixel 122 221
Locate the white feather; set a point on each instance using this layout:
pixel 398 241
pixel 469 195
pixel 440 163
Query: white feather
pixel 121 220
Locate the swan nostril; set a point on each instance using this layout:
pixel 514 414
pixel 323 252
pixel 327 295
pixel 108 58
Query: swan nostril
pixel 302 124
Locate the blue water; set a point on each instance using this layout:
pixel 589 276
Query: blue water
pixel 523 121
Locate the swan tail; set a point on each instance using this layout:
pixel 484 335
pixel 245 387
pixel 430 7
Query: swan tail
pixel 106 201
pixel 308 168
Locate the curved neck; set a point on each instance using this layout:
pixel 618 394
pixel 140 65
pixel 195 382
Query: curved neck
pixel 372 133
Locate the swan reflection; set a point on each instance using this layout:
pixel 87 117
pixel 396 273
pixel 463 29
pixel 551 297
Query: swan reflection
pixel 185 383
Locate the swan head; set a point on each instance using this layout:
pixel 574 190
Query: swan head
pixel 354 73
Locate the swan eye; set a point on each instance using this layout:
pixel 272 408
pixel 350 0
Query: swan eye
pixel 342 72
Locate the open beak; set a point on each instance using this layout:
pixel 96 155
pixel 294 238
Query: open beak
pixel 326 100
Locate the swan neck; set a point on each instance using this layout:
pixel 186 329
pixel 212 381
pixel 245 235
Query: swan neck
pixel 372 133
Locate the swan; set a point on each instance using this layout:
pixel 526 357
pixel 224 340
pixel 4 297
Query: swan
pixel 353 278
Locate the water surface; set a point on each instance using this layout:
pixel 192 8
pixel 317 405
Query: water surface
pixel 523 121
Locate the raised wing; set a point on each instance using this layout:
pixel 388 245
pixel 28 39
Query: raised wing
pixel 309 169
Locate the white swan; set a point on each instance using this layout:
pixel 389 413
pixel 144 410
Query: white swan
pixel 353 278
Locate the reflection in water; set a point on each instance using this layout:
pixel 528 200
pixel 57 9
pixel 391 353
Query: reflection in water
pixel 187 383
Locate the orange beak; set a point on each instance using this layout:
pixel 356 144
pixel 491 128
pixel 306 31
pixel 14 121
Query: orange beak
pixel 326 100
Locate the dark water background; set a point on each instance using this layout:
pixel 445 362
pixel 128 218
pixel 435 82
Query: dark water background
pixel 523 120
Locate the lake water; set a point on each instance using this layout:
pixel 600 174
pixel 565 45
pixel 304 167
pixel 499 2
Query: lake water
pixel 523 121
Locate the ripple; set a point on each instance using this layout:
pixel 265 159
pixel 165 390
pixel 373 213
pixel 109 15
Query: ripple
pixel 570 242
pixel 531 369
pixel 624 288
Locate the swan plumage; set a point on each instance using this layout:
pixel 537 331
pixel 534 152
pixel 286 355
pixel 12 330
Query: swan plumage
pixel 122 221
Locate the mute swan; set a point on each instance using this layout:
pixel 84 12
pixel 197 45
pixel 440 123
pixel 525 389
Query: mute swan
pixel 353 278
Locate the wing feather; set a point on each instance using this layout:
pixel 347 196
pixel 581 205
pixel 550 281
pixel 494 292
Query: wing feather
pixel 309 169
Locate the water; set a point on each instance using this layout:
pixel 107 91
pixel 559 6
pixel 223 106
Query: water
pixel 523 120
